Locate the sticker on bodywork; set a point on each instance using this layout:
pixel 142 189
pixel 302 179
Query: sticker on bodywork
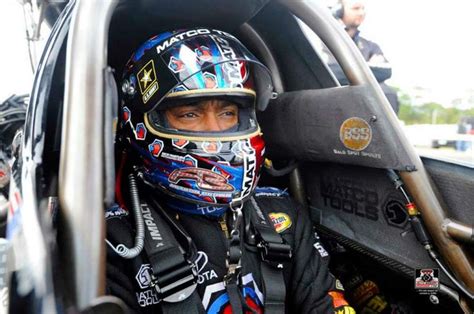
pixel 355 133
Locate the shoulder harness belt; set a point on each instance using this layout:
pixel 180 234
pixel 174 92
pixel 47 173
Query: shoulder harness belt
pixel 174 277
pixel 274 252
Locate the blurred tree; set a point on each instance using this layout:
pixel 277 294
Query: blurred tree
pixel 429 113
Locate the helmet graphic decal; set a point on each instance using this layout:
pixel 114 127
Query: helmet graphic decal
pixel 205 179
pixel 125 114
pixel 180 143
pixel 210 80
pixel 212 147
pixel 140 132
pixel 203 53
pixel 190 161
pixel 176 65
pixel 156 147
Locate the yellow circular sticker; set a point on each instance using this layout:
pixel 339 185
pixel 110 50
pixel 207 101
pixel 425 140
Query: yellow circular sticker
pixel 355 133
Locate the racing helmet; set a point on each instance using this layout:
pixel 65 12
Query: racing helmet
pixel 211 170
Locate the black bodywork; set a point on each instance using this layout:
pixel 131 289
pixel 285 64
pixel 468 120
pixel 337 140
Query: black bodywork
pixel 353 203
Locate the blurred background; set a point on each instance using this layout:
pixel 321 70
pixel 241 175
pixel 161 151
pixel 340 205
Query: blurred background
pixel 428 44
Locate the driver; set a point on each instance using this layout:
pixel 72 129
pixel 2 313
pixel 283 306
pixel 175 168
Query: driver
pixel 191 231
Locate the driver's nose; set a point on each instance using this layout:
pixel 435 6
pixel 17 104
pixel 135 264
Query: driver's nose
pixel 211 122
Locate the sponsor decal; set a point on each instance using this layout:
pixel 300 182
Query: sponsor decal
pixel 350 197
pixel 427 279
pixel 321 250
pixel 179 143
pixel 209 209
pixel 216 300
pixel 355 133
pixel 151 226
pixel 144 276
pixel 395 213
pixel 200 263
pixel 200 193
pixel 179 37
pixel 234 71
pixel 147 298
pixel 211 147
pixel 115 212
pixel 365 291
pixel 270 191
pixel 188 160
pixel 205 179
pixel 140 132
pixel 156 147
pixel 337 299
pixel 250 161
pixel 281 221
pixel 147 81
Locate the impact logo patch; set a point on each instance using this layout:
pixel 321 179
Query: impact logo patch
pixel 147 81
pixel 281 221
pixel 355 133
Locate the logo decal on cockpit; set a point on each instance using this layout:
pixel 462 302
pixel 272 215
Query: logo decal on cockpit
pixel 355 133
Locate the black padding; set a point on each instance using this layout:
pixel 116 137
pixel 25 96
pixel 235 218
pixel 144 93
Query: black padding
pixel 361 205
pixel 306 125
pixel 135 21
pixel 456 185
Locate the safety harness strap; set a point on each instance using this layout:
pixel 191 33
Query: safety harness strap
pixel 173 278
pixel 274 252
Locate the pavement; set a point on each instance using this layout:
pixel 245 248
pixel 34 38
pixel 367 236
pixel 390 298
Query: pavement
pixel 448 154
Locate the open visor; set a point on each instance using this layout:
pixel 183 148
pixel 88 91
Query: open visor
pixel 213 63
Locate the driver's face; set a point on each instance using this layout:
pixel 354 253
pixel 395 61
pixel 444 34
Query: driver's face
pixel 204 116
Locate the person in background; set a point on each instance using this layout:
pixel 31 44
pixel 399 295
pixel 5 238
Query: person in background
pixel 351 13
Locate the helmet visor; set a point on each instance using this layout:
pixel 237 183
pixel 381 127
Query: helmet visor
pixel 212 63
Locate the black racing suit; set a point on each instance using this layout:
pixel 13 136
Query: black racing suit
pixel 307 277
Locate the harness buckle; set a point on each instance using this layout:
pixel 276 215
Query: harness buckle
pixel 274 253
pixel 177 284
